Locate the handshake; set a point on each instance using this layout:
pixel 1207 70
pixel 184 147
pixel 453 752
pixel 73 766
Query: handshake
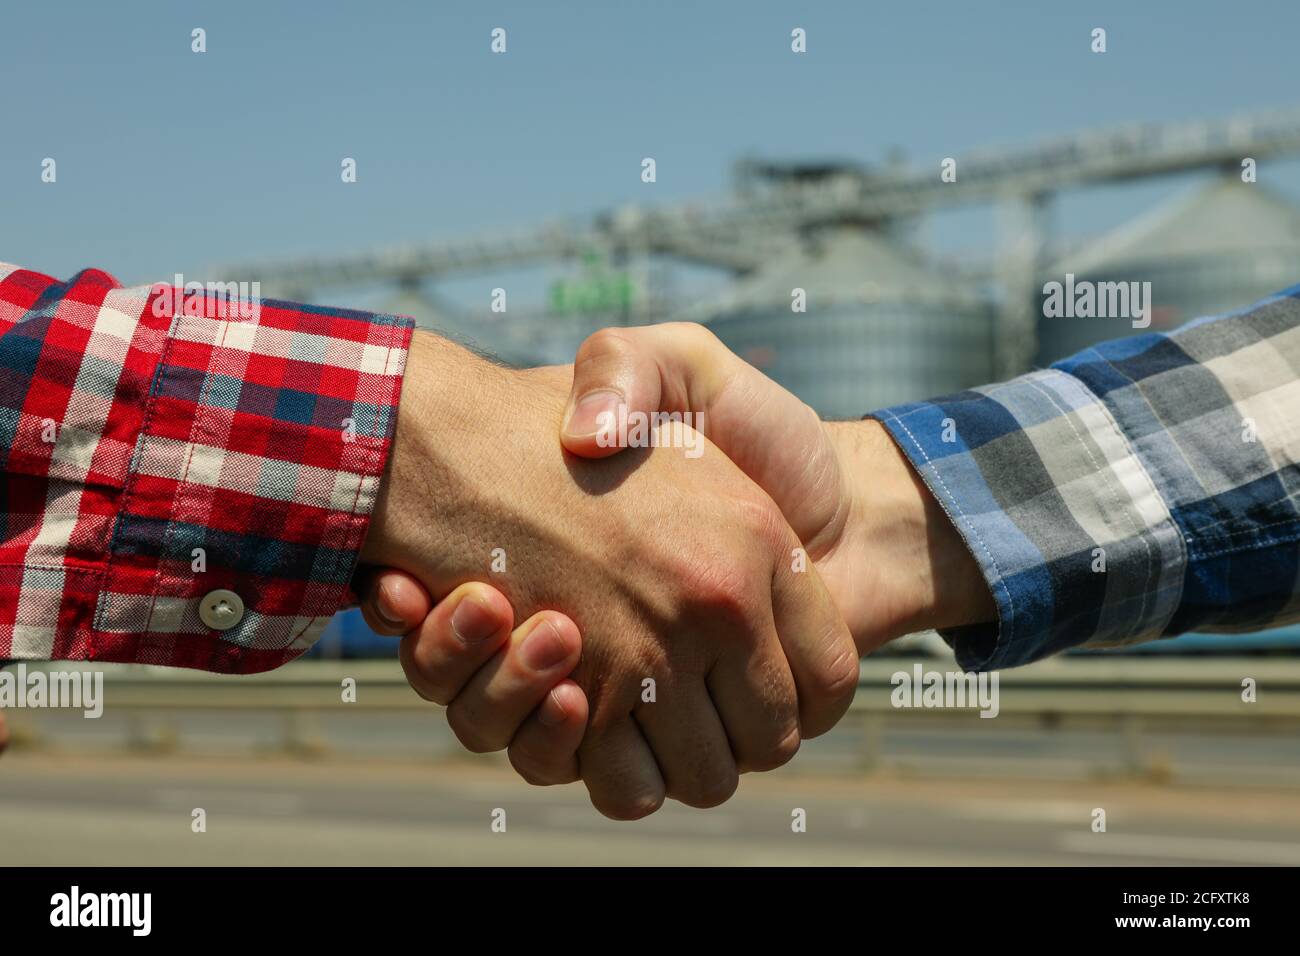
pixel 694 600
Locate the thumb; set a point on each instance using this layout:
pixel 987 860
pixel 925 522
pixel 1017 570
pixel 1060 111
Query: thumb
pixel 767 431
pixel 614 368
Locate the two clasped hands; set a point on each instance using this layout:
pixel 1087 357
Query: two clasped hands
pixel 650 622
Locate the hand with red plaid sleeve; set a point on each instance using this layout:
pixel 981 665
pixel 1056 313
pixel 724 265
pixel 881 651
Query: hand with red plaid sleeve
pixel 498 684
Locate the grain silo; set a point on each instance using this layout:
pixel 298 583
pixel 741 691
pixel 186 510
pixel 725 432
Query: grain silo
pixel 880 326
pixel 1220 247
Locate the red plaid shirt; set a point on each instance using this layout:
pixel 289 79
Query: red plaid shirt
pixel 159 449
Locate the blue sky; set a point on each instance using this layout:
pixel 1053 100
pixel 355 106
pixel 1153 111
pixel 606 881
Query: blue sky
pixel 171 161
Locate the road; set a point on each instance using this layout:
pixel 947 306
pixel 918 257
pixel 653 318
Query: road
pixel 131 810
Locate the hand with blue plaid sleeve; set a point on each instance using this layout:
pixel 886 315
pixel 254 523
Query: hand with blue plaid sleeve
pixel 890 556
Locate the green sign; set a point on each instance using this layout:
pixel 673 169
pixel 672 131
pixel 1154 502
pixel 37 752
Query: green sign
pixel 597 289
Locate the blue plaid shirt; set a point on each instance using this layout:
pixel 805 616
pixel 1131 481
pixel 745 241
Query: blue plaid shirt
pixel 1139 489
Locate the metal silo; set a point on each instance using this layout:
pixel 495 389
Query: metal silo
pixel 1220 247
pixel 881 326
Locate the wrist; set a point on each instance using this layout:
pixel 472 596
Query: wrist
pixel 922 574
pixel 460 429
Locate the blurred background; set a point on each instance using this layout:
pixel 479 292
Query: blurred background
pixel 520 173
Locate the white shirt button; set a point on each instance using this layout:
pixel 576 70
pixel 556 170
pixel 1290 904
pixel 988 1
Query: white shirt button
pixel 221 609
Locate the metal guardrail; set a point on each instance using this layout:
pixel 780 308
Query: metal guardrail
pixel 1208 687
pixel 1200 687
pixel 1128 696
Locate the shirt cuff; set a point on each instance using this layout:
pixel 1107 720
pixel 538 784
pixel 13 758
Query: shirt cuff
pixel 216 466
pixel 1068 528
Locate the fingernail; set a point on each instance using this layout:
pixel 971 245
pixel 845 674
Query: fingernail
pixel 384 608
pixel 595 411
pixel 543 647
pixel 472 623
pixel 554 715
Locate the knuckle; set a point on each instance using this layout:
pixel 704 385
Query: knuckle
pixel 759 517
pixel 602 345
pixel 834 686
pixel 426 654
pixel 694 334
pixel 713 583
pixel 839 679
pixel 724 593
pixel 734 585
pixel 473 735
pixel 418 675
pixel 534 770
pixel 775 755
pixel 607 703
